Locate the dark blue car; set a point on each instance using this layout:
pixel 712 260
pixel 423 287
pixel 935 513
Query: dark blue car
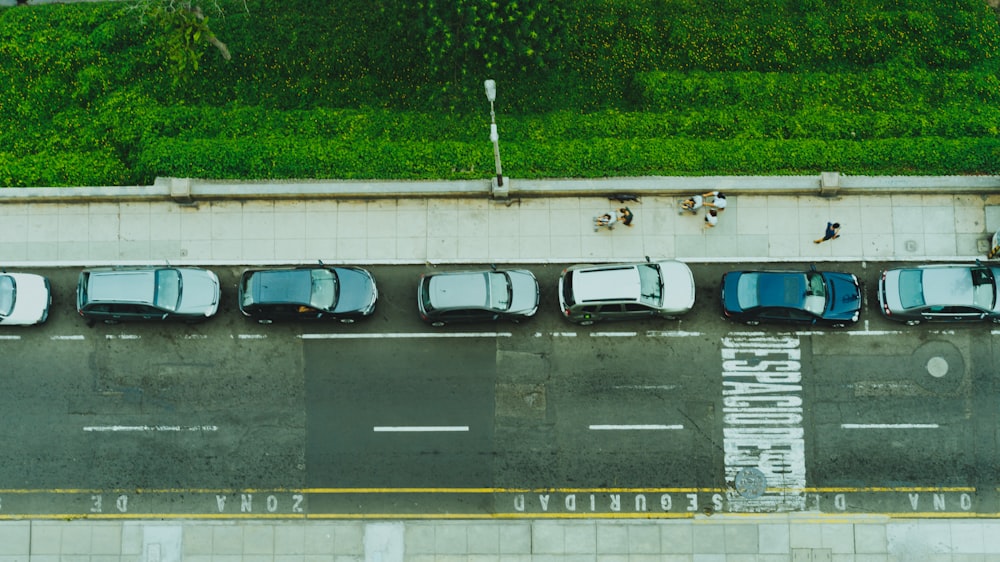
pixel 309 293
pixel 810 297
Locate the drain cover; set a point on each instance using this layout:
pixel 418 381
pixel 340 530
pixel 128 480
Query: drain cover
pixel 751 483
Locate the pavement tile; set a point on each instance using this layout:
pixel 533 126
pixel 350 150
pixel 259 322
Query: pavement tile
pixel 450 538
pixel 198 539
pixel 967 537
pixel 581 538
pixel 676 537
pixel 991 537
pixel 869 539
pixel 515 538
pixel 839 537
pixel 644 538
pixel 773 538
pixel 317 538
pixel 547 537
pixel 348 538
pixel 483 539
pixel 259 540
pixel 709 539
pixel 612 538
pixel 741 539
pixel 15 538
pixel 227 539
pixel 46 538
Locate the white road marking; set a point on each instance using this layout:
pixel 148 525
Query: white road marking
pixel 556 334
pixel 406 335
pixel 64 338
pixel 125 428
pixel 613 334
pixel 645 386
pixel 418 428
pixel 10 337
pixel 121 336
pixel 252 336
pixel 889 426
pixel 673 334
pixel 874 332
pixel 598 427
pixel 195 337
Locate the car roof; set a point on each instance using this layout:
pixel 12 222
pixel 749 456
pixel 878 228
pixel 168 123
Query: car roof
pixel 282 286
pixel 947 286
pixel 122 286
pixel 780 288
pixel 458 290
pixel 611 283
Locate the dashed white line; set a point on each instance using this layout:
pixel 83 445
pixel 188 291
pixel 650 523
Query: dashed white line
pixel 556 334
pixel 671 334
pixel 10 337
pixel 889 426
pixel 418 428
pixel 122 336
pixel 613 334
pixel 641 427
pixel 127 428
pixel 644 387
pixel 65 338
pixel 252 336
pixel 195 336
pixel 406 335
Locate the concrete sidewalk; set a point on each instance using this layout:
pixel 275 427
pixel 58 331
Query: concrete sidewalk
pixel 537 230
pixel 774 538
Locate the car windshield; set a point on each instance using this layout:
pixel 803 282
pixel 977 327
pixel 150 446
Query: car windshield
pixel 167 293
pixel 651 285
pixel 815 297
pixel 324 289
pixel 7 294
pixel 746 290
pixel 500 291
pixel 911 288
pixel 984 290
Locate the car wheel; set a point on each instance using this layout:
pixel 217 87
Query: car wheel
pixel 346 320
pixel 587 323
pixel 753 322
pixel 437 324
pixel 912 322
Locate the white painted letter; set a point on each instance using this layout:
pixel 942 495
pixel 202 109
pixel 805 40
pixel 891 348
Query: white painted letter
pixel 272 504
pixel 246 503
pixel 616 502
pixel 221 502
pixel 640 503
pixel 97 504
pixel 297 503
pixel 593 503
pixel 913 500
pixel 545 502
pixel 122 503
pixel 965 500
pixel 717 502
pixel 571 502
pixel 840 502
pixel 666 502
pixel 519 502
pixel 692 502
pixel 938 502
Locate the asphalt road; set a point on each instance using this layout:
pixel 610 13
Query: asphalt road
pixel 391 417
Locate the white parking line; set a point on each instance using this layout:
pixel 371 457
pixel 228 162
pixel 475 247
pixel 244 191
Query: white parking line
pixel 414 335
pixel 64 338
pixel 598 427
pixel 874 332
pixel 613 334
pixel 889 426
pixel 252 336
pixel 122 336
pixel 127 428
pixel 10 337
pixel 673 334
pixel 418 428
pixel 556 334
pixel 644 387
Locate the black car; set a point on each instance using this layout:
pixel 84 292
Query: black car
pixel 307 293
pixel 810 297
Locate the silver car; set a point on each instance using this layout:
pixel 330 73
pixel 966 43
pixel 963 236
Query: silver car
pixel 147 293
pixel 477 296
pixel 940 293
pixel 589 293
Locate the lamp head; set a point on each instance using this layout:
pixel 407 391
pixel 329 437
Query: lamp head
pixel 491 90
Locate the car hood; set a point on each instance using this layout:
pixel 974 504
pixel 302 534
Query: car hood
pixel 200 294
pixel 678 286
pixel 32 301
pixel 844 300
pixel 889 296
pixel 357 291
pixel 524 287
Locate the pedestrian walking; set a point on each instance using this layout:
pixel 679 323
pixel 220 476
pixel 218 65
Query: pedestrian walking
pixel 832 231
pixel 711 218
pixel 625 215
pixel 692 204
pixel 718 200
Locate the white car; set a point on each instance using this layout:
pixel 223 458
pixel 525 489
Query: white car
pixel 590 293
pixel 24 299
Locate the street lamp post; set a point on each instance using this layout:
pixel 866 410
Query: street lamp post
pixel 491 94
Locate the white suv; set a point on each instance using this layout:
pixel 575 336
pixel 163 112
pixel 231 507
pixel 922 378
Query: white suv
pixel 589 293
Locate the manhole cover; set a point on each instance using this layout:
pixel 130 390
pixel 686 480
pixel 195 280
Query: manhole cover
pixel 751 483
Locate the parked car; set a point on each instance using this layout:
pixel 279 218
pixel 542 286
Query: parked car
pixel 147 293
pixel 476 296
pixel 940 293
pixel 319 292
pixel 589 293
pixel 809 297
pixel 25 299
